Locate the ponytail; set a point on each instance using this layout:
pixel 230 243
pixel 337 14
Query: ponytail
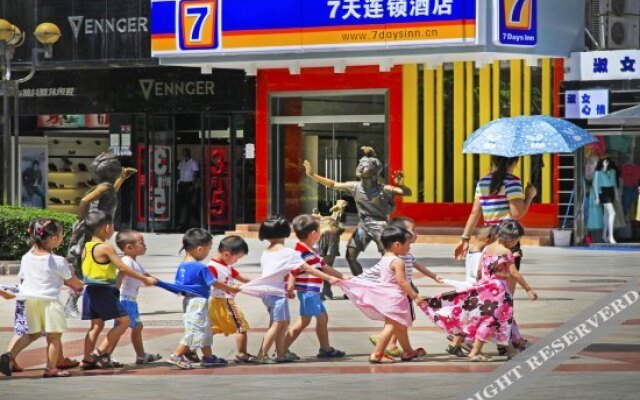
pixel 42 230
pixel 500 164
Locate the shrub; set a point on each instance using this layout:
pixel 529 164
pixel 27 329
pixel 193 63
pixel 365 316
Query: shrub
pixel 14 222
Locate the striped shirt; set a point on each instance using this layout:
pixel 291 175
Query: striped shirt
pixel 373 274
pixel 495 207
pixel 225 274
pixel 304 281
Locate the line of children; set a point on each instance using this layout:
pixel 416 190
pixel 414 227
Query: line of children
pixel 385 292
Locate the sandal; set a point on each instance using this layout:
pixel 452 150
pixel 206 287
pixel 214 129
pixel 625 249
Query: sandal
pixel 261 360
pixel 67 363
pixel 56 373
pixel 479 358
pixel 5 364
pixel 192 356
pixel 379 358
pixel 147 358
pixel 416 355
pixel 87 365
pixel 455 351
pixel 243 359
pixel 331 353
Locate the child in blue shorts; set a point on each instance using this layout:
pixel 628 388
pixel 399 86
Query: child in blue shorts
pixel 277 262
pixel 308 287
pixel 131 243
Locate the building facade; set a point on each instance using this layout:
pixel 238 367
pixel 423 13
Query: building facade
pixel 102 91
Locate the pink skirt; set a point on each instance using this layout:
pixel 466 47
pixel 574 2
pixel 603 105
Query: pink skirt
pixel 378 300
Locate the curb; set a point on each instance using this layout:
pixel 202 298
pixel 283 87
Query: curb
pixel 9 267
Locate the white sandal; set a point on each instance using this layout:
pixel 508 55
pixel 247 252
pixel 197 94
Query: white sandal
pixel 147 358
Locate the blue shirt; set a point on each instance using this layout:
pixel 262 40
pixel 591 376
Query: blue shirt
pixel 196 276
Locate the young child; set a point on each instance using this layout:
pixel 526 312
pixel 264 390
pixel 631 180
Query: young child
pixel 20 329
pixel 101 300
pixel 389 299
pixel 277 262
pixel 410 263
pixel 307 229
pixel 484 311
pixel 131 243
pixel 226 317
pixel 43 274
pixel 192 272
pixel 472 265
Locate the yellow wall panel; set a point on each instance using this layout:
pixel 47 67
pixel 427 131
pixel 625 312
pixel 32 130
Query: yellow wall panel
pixel 484 106
pixel 469 112
pixel 526 110
pixel 546 90
pixel 410 129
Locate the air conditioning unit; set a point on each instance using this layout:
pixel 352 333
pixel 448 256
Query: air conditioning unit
pixel 622 20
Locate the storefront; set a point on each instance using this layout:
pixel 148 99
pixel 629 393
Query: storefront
pixel 602 92
pixel 411 83
pixel 103 91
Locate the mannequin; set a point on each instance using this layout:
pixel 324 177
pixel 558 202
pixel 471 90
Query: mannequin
pixel 606 190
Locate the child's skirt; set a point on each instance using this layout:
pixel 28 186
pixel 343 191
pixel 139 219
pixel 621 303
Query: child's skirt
pixel 379 301
pixel 197 326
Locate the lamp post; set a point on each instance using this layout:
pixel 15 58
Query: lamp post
pixel 11 37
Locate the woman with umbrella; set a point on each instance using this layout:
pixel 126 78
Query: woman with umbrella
pixel 499 195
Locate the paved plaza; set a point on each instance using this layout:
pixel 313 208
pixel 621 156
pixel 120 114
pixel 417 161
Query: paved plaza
pixel 567 281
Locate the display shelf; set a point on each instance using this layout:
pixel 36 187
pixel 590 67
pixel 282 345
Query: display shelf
pixel 68 208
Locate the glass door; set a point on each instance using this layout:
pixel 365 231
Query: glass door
pixel 333 149
pixel 155 178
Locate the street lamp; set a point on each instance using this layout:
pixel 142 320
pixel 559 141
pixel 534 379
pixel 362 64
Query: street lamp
pixel 11 37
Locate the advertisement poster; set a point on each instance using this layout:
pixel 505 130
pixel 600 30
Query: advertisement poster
pixel 218 186
pixel 158 182
pixel 61 121
pixel 33 175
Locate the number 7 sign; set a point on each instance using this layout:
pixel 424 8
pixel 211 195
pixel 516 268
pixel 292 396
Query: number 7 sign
pixel 198 21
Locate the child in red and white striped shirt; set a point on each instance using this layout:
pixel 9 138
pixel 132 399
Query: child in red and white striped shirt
pixel 308 287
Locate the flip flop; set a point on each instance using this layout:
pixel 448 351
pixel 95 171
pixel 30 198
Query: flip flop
pixel 378 358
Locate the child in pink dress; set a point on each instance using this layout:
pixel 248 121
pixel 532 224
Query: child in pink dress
pixel 387 300
pixel 484 311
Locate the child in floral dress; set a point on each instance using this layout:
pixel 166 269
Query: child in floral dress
pixel 484 311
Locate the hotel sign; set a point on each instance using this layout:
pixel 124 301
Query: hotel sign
pixel 198 27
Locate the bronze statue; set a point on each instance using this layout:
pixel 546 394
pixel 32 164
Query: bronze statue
pixel 109 176
pixel 374 201
pixel 329 244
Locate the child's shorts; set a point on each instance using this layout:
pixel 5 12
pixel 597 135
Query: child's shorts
pixel 131 307
pixel 102 302
pixel 278 307
pixel 197 326
pixel 226 317
pixel 310 304
pixel 45 315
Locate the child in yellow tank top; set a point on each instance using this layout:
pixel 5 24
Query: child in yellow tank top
pixel 101 300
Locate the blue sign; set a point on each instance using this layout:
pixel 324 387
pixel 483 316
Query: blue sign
pixel 515 23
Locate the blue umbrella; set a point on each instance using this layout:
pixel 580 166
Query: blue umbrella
pixel 529 135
